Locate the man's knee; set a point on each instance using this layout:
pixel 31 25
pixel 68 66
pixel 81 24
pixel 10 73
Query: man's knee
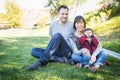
pixel 74 56
pixel 57 35
pixel 33 51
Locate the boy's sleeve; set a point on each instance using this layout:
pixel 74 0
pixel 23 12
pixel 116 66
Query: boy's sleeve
pixel 98 49
pixel 81 40
pixel 95 41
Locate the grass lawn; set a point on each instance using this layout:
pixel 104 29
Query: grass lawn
pixel 108 33
pixel 15 57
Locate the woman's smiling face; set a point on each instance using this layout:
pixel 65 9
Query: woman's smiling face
pixel 80 25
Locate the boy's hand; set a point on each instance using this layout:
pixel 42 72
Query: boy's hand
pixel 93 58
pixel 89 39
pixel 88 33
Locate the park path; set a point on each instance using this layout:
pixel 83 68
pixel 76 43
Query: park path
pixel 24 32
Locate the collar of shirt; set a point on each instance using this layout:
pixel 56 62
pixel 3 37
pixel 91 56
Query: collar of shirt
pixel 78 35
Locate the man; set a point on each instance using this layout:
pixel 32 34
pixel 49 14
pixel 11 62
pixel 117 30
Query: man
pixel 58 46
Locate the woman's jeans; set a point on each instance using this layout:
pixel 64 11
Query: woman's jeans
pixel 101 57
pixel 56 47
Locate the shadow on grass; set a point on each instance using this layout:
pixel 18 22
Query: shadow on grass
pixel 13 47
pixel 15 57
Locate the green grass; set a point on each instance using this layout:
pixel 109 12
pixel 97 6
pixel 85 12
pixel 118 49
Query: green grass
pixel 108 33
pixel 112 45
pixel 15 58
pixel 109 30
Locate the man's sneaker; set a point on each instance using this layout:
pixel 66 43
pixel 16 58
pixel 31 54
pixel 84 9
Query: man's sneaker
pixel 65 59
pixel 35 66
pixel 71 62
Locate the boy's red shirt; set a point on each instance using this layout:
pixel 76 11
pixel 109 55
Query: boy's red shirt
pixel 85 44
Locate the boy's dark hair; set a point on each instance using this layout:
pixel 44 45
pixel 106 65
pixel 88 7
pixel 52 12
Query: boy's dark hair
pixel 86 29
pixel 78 19
pixel 62 6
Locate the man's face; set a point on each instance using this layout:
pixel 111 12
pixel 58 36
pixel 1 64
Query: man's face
pixel 63 15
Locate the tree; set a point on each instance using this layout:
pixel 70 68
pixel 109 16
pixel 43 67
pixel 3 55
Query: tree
pixel 54 4
pixel 13 14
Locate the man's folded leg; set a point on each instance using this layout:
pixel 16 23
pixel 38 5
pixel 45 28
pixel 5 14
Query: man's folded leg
pixel 35 65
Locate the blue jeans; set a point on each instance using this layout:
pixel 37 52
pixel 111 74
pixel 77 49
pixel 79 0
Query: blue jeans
pixel 56 47
pixel 80 58
pixel 101 57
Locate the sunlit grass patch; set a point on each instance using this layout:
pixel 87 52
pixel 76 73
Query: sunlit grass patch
pixel 111 25
pixel 112 45
pixel 15 58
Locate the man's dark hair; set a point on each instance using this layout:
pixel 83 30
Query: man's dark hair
pixel 62 6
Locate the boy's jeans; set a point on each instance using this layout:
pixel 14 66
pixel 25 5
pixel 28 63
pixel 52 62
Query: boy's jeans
pixel 101 57
pixel 80 58
pixel 57 46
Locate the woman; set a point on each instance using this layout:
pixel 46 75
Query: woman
pixel 98 57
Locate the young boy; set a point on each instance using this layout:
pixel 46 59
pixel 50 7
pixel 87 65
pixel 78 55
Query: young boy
pixel 89 42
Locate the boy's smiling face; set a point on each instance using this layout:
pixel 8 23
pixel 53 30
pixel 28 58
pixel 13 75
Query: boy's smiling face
pixel 88 33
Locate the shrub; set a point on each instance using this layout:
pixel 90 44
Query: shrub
pixel 112 45
pixel 13 14
pixel 42 21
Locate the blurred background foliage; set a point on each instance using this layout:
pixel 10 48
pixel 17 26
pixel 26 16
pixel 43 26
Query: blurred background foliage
pixel 14 15
pixel 103 14
pixel 54 4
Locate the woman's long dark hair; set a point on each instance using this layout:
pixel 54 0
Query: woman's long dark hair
pixel 78 19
